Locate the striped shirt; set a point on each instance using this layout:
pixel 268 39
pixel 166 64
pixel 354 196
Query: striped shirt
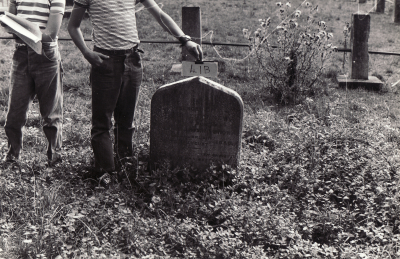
pixel 113 21
pixel 38 11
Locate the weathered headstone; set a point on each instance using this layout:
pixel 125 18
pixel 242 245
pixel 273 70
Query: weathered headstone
pixel 191 25
pixel 379 6
pixel 360 56
pixel 194 122
pixel 396 11
pixel 359 46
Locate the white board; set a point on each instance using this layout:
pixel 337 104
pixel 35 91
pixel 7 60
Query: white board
pixel 31 35
pixel 205 68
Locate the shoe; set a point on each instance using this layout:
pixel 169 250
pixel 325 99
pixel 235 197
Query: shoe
pixel 53 159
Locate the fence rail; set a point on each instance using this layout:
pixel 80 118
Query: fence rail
pixel 222 44
pixel 371 52
pixel 161 41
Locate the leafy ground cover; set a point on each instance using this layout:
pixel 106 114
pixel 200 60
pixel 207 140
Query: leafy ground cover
pixel 315 180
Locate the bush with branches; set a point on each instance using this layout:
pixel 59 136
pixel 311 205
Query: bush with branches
pixel 292 56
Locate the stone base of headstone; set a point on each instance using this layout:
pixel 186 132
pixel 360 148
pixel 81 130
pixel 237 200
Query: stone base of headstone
pixel 195 122
pixel 373 83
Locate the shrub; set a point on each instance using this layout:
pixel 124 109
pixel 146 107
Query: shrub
pixel 293 55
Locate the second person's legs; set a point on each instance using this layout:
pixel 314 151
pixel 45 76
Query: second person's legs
pixel 126 105
pixel 105 81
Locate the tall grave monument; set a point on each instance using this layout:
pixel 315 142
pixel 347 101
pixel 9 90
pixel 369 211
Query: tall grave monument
pixel 359 65
pixel 195 122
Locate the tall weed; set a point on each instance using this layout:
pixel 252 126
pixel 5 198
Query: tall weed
pixel 292 56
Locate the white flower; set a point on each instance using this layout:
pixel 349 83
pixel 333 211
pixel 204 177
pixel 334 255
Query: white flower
pixel 265 22
pixel 330 35
pixel 246 33
pixel 288 4
pixel 155 199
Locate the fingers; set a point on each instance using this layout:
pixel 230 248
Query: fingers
pixel 195 50
pixel 101 55
pixel 200 53
pixel 95 58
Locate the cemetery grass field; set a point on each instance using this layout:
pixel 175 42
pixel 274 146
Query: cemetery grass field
pixel 316 180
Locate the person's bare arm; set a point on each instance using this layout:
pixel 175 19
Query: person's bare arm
pixel 53 27
pixel 170 26
pixel 75 32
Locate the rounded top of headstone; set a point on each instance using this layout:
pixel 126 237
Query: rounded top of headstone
pixel 196 80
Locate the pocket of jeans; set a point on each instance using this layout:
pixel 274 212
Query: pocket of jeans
pixel 133 62
pixel 50 51
pixel 103 68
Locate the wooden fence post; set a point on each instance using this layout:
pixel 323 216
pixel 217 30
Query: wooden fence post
pixel 359 46
pixel 396 11
pixel 191 25
pixel 379 6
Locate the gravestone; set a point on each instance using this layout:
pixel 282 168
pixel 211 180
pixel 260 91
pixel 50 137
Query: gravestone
pixel 359 46
pixel 379 6
pixel 194 122
pixel 396 11
pixel 359 62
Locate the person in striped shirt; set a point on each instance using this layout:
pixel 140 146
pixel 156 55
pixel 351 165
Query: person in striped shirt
pixel 116 72
pixel 36 74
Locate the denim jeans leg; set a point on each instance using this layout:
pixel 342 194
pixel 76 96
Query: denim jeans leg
pixel 20 96
pixel 105 81
pixel 47 73
pixel 126 105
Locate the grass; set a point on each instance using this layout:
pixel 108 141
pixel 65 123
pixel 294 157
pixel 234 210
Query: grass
pixel 316 180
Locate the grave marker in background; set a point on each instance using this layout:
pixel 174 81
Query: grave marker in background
pixel 195 121
pixel 191 25
pixel 359 65
pixel 396 11
pixel 379 6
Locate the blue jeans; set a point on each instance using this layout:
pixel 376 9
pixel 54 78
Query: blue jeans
pixel 115 89
pixel 40 75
